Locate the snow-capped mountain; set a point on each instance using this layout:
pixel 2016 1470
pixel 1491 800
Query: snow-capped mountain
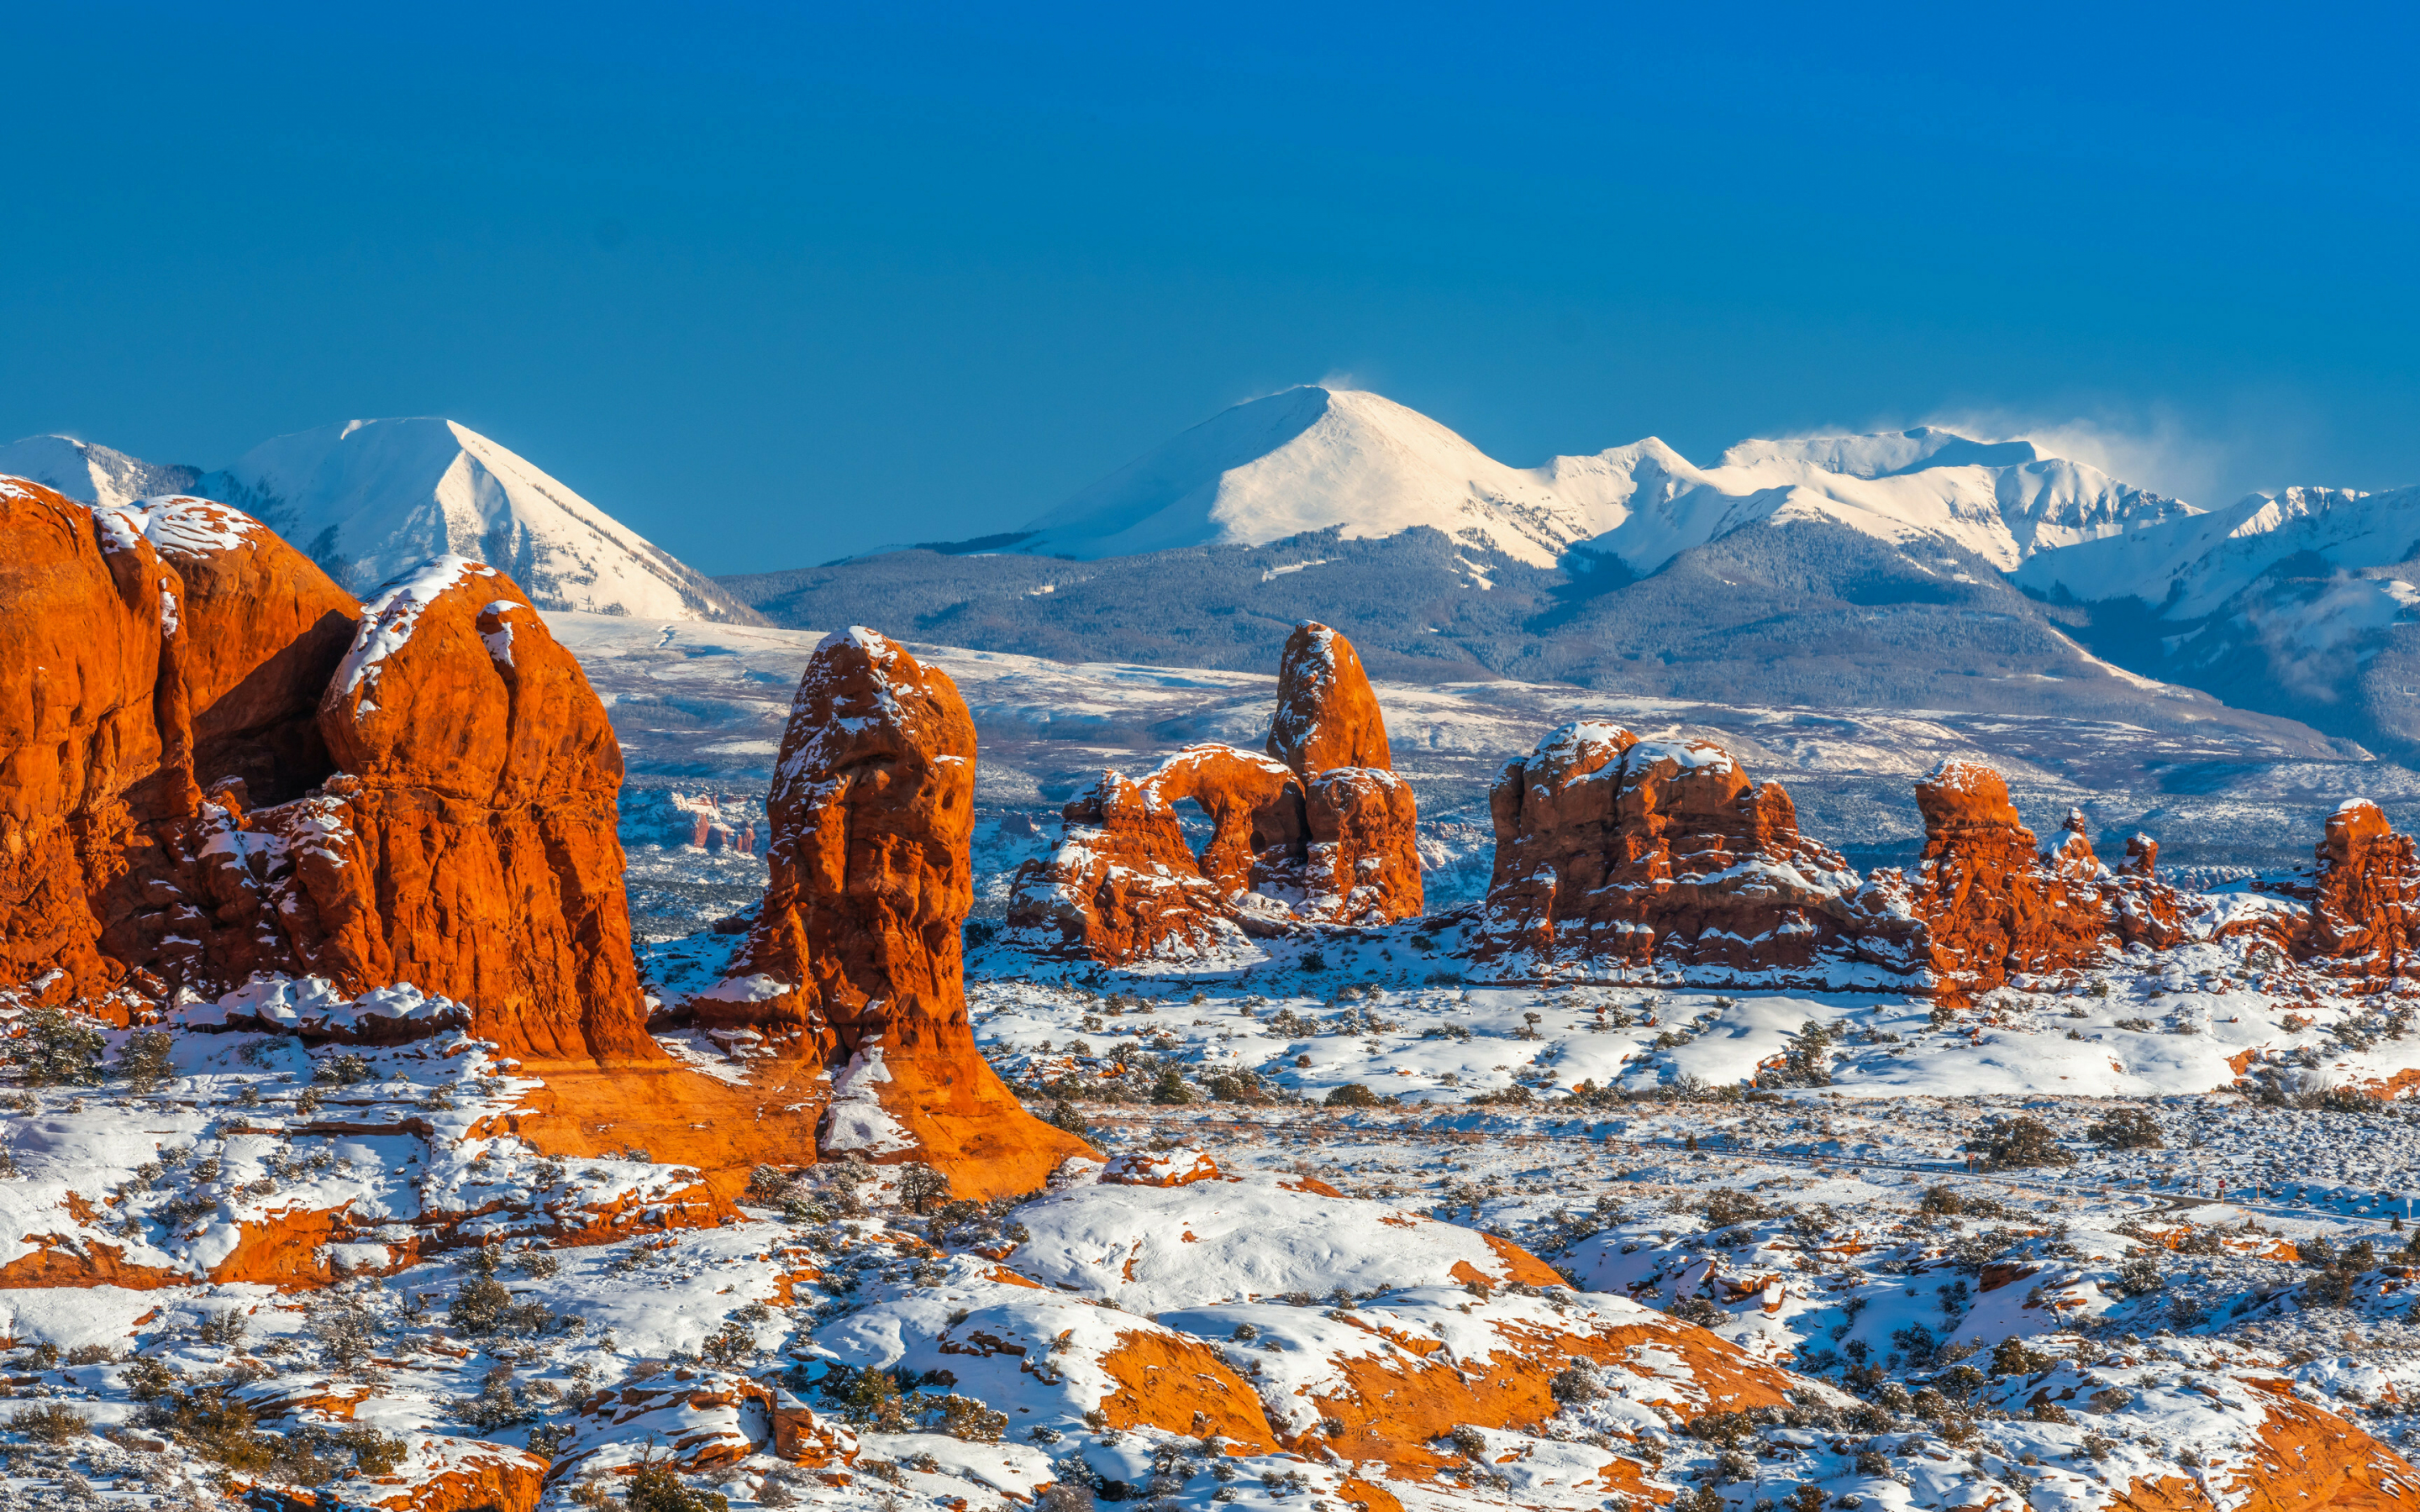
pixel 368 499
pixel 93 474
pixel 2187 568
pixel 1314 459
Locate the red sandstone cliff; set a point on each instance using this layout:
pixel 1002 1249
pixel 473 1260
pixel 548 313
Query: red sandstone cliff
pixel 220 769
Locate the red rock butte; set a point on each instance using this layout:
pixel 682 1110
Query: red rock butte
pixel 1320 831
pixel 221 765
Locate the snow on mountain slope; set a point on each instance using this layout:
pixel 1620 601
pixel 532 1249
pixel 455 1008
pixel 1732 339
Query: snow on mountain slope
pixel 1310 458
pixel 2189 568
pixel 89 473
pixel 1304 460
pixel 369 498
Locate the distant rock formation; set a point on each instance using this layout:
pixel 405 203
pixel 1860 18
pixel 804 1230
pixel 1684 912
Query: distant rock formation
pixel 1614 850
pixel 221 768
pixel 1633 859
pixel 855 957
pixel 1326 714
pixel 1319 831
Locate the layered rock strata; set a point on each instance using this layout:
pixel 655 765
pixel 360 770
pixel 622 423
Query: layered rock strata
pixel 854 960
pixel 1319 831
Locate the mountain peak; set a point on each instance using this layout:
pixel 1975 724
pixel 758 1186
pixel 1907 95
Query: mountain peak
pixel 91 474
pixel 369 498
pixel 1314 457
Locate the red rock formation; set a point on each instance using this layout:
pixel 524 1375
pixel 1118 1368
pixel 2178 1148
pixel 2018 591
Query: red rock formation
pixel 264 630
pixel 92 707
pixel 1319 831
pixel 1327 716
pixel 1990 906
pixel 2364 898
pixel 470 844
pixel 1614 851
pixel 855 951
pixel 1362 865
pixel 467 848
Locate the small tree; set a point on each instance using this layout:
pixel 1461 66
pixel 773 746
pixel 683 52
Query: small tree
pixel 58 1049
pixel 144 1060
pixel 2127 1129
pixel 2020 1141
pixel 1066 1115
pixel 1171 1090
pixel 923 1188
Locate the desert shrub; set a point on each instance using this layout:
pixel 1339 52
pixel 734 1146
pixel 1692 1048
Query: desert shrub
pixel 729 1347
pixel 2020 1141
pixel 963 1417
pixel 49 1423
pixel 1516 1096
pixel 2127 1129
pixel 1169 1090
pixel 1807 1062
pixel 2011 1358
pixel 2139 1275
pixel 485 1306
pixel 1352 1095
pixel 345 1070
pixel 57 1049
pixel 1724 1207
pixel 142 1060
pixel 658 1488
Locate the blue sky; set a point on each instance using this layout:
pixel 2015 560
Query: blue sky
pixel 776 283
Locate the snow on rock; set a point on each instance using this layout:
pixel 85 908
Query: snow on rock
pixel 1236 1238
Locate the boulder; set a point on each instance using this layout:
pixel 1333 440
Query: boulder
pixel 1327 716
pixel 1614 850
pixel 854 960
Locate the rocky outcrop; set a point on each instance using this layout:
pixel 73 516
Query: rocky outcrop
pixel 1320 831
pixel 2364 898
pixel 1611 851
pixel 1326 714
pixel 218 769
pixel 1991 904
pixel 469 845
pixel 854 961
pixel 95 724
